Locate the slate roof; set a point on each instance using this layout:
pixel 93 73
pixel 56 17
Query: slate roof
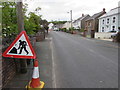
pixel 81 17
pixel 112 12
pixel 95 15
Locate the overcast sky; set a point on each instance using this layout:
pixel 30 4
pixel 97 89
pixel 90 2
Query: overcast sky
pixel 57 9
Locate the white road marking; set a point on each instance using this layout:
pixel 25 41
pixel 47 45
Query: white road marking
pixel 92 51
pixel 87 39
pixel 53 66
pixel 102 56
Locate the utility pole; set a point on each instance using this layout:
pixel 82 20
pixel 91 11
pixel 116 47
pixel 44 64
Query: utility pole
pixel 59 24
pixel 71 17
pixel 20 21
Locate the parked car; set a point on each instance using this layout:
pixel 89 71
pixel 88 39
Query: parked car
pixel 114 34
pixel 112 31
pixel 56 29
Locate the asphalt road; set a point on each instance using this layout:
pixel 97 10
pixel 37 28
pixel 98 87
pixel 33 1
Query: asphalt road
pixel 80 62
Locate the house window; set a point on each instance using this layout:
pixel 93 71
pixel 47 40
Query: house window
pixel 103 21
pixel 108 21
pixel 102 29
pixel 113 28
pixel 113 19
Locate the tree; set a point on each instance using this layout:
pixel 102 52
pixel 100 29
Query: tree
pixel 58 22
pixel 9 19
pixel 32 24
pixel 45 24
pixel 32 21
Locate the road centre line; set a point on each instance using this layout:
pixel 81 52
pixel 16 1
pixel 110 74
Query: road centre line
pixel 102 56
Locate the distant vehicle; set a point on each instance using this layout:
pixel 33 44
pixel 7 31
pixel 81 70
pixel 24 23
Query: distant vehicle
pixel 114 34
pixel 112 31
pixel 56 29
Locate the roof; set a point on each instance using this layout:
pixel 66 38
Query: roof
pixel 81 18
pixel 96 15
pixel 112 12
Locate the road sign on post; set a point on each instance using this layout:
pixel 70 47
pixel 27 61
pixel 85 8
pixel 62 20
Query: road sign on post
pixel 20 48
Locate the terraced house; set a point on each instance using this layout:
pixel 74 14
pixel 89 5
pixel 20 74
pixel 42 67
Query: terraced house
pixel 80 22
pixel 91 24
pixel 109 22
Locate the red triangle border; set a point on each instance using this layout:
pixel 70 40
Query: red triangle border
pixel 20 56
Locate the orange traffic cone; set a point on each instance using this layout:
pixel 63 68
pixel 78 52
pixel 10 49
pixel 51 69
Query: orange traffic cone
pixel 35 78
pixel 35 82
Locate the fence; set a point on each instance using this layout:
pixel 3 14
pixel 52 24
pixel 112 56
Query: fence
pixel 8 64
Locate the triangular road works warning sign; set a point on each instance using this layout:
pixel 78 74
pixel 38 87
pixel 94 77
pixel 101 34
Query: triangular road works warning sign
pixel 20 48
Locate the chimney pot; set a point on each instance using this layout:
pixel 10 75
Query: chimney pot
pixel 82 15
pixel 104 9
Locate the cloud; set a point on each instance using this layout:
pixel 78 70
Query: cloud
pixel 57 9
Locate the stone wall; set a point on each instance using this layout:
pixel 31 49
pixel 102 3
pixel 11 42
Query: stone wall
pixel 103 35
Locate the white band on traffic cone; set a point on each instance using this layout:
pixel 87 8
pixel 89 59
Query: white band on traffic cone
pixel 35 73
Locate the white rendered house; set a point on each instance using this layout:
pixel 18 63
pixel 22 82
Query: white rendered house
pixel 51 26
pixel 76 24
pixel 110 21
pixel 67 25
pixel 80 22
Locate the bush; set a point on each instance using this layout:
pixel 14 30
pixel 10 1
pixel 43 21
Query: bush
pixel 71 29
pixel 63 29
pixel 81 30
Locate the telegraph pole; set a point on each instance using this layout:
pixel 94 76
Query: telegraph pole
pixel 20 21
pixel 71 17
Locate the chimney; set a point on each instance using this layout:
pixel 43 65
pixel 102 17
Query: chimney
pixel 82 15
pixel 104 9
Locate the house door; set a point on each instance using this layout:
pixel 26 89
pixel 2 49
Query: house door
pixel 89 31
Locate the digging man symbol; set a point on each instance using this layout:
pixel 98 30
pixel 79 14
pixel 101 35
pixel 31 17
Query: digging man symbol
pixel 22 45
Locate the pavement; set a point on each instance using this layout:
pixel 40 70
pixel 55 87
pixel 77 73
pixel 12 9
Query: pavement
pixel 43 52
pixel 109 39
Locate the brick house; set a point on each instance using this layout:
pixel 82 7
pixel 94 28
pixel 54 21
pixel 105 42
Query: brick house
pixel 91 24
